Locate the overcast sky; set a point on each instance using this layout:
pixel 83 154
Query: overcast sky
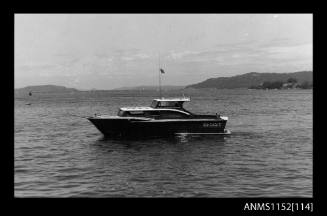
pixel 106 51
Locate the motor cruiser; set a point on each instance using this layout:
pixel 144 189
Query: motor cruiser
pixel 165 116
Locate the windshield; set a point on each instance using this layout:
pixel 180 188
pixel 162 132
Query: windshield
pixel 154 104
pixel 162 104
pixel 170 104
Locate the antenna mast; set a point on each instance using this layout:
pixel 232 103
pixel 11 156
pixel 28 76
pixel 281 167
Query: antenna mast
pixel 159 75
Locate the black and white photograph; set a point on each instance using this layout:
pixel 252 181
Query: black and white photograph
pixel 150 105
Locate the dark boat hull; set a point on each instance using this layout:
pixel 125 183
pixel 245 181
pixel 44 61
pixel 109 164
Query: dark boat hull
pixel 133 127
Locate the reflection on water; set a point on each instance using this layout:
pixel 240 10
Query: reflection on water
pixel 158 166
pixel 159 144
pixel 179 138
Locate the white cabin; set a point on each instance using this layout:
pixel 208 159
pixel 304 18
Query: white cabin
pixel 171 106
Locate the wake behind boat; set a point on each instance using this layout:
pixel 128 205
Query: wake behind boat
pixel 165 116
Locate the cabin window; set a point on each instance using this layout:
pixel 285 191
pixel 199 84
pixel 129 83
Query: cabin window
pixel 154 104
pixel 172 115
pixel 136 113
pixel 170 104
pixel 130 113
pixel 121 113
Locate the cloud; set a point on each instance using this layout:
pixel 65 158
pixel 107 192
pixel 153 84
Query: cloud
pixel 130 51
pixel 218 54
pixel 244 43
pixel 142 56
pixel 37 67
pixel 290 52
pixel 126 58
pixel 178 55
pixel 280 53
pixel 136 56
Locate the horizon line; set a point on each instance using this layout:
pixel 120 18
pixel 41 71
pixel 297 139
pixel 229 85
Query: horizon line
pixel 117 88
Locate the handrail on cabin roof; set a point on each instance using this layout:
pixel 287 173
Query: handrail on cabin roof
pixel 173 99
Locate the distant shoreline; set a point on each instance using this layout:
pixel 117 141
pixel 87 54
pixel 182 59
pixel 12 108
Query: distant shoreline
pixel 243 81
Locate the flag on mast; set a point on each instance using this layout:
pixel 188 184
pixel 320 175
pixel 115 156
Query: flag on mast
pixel 162 71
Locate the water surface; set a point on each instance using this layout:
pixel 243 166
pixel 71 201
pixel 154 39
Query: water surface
pixel 269 152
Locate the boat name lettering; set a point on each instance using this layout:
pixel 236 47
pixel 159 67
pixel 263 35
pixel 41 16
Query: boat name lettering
pixel 211 125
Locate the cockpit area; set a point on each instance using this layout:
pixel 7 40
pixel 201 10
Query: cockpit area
pixel 175 103
pixel 155 114
pixel 164 108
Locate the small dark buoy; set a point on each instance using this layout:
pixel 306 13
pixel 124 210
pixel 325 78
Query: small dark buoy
pixel 30 93
pixel 28 104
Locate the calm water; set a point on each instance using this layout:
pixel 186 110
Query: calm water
pixel 269 152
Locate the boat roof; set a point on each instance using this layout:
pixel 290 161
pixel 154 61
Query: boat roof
pixel 173 99
pixel 136 108
pixel 150 109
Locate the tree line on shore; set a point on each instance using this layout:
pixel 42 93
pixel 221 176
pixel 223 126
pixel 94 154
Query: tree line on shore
pixel 289 84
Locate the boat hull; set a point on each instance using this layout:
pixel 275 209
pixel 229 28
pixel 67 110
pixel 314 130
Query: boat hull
pixel 152 127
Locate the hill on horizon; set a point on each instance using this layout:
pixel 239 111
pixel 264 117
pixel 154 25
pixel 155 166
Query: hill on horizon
pixel 63 89
pixel 45 89
pixel 239 81
pixel 251 79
